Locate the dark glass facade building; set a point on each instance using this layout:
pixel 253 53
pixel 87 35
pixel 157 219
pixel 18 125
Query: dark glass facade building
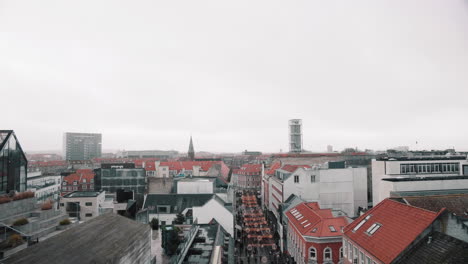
pixel 13 163
pixel 114 179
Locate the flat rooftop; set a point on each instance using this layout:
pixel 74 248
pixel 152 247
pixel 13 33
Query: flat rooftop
pixel 421 158
pixel 81 194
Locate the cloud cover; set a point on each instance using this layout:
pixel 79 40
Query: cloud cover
pixel 148 74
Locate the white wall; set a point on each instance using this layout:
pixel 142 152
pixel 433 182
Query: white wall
pixel 213 209
pixel 198 186
pixel 344 189
pixel 391 169
pixel 408 186
pixel 168 218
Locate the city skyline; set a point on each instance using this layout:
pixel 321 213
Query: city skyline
pixel 232 75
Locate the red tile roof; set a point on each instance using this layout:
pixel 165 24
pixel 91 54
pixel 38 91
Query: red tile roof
pixel 273 168
pixel 292 168
pixel 79 177
pixel 400 225
pixel 249 169
pixel 188 165
pixel 310 220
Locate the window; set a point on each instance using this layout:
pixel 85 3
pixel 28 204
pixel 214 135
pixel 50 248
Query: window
pixel 75 188
pixel 75 182
pixel 341 252
pixel 296 178
pixel 350 252
pixel 327 253
pixel 91 181
pixel 332 228
pixel 363 221
pixel 345 249
pixel 373 228
pixel 368 261
pixel 312 178
pixel 84 180
pixel 312 253
pixel 361 257
pixel 84 187
pixel 355 253
pixel 62 204
pixel 64 183
pixel 89 204
pixel 91 186
pixel 162 209
pixel 89 215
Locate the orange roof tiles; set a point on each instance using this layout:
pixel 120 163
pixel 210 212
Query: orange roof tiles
pixel 292 168
pixel 400 225
pixel 273 168
pixel 310 220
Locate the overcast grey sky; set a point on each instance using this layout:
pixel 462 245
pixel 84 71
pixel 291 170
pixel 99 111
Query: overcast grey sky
pixel 148 74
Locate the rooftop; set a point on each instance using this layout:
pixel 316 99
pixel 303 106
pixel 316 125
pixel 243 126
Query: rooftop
pixel 453 203
pixel 177 202
pixel 81 194
pixel 95 241
pixel 422 158
pixel 386 230
pixel 440 249
pixel 310 220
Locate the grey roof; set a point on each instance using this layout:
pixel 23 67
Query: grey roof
pixel 104 239
pixel 81 194
pixel 442 249
pixel 178 202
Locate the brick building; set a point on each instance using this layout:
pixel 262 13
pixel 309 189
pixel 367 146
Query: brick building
pixel 314 235
pixel 81 180
pixel 249 176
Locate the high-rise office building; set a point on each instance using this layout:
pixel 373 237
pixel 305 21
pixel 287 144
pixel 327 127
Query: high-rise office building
pixel 295 135
pixel 13 163
pixel 82 146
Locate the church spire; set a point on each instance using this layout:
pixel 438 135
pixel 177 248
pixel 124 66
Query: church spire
pixel 191 151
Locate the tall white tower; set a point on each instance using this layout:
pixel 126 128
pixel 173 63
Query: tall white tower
pixel 295 135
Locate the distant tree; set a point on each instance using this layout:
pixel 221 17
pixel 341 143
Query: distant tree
pixel 180 219
pixel 154 223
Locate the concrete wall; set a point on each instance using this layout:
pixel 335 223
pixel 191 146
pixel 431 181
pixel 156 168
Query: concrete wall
pixel 17 207
pixel 198 186
pixel 386 187
pixel 168 218
pixel 84 209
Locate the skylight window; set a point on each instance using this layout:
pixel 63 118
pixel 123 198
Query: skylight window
pixel 373 228
pixel 314 230
pixel 307 225
pixel 293 210
pixel 303 222
pixel 300 218
pixel 332 228
pixel 361 223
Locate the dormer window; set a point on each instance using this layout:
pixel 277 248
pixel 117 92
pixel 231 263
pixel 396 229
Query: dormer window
pixel 296 178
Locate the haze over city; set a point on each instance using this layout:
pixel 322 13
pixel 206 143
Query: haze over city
pixel 148 75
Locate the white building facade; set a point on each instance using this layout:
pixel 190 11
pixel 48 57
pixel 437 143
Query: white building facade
pixel 343 189
pixel 417 174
